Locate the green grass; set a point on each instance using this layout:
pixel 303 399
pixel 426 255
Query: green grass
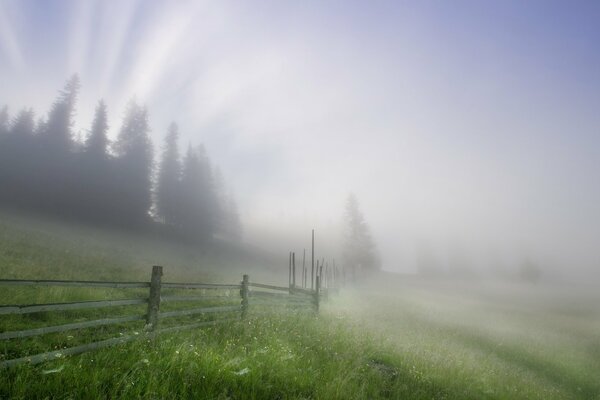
pixel 394 337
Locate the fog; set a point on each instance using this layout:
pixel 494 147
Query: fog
pixel 468 131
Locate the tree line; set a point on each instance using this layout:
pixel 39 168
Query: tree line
pixel 45 168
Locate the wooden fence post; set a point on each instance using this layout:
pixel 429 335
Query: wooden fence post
pixel 312 261
pixel 294 270
pixel 317 293
pixel 244 294
pixel 154 298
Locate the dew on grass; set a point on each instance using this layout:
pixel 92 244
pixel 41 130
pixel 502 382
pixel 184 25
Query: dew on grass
pixel 243 371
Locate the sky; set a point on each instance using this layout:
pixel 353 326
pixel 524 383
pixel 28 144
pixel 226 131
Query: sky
pixel 466 127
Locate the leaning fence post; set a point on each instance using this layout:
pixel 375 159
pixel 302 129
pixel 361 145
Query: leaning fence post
pixel 317 292
pixel 154 298
pixel 244 294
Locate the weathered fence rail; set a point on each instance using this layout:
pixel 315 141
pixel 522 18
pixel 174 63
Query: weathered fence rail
pixel 260 294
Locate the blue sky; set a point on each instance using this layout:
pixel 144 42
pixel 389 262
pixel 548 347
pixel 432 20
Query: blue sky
pixel 468 124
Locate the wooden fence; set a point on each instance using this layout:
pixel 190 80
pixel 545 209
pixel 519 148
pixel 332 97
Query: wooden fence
pixel 250 293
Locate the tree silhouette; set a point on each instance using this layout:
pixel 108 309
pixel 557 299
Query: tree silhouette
pixel 359 251
pixel 94 186
pixel 228 220
pixel 96 145
pixel 17 171
pixel 4 117
pixel 56 133
pixel 198 199
pixel 168 196
pixel 134 164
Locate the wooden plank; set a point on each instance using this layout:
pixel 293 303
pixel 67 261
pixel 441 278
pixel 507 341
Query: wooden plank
pixel 68 327
pixel 264 302
pixel 204 310
pixel 199 286
pixel 196 298
pixel 32 308
pixel 196 325
pixel 35 282
pixel 57 354
pixel 272 287
pixel 307 292
pixel 281 296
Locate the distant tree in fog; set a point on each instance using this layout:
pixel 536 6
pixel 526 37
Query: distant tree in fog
pixel 56 133
pixel 168 187
pixel 94 190
pixel 229 225
pixel 529 271
pixel 359 250
pixel 96 145
pixel 16 165
pixel 4 121
pixel 199 205
pixel 428 263
pixel 134 163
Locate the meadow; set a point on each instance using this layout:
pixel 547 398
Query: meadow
pixel 392 336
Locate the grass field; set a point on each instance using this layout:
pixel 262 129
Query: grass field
pixel 392 337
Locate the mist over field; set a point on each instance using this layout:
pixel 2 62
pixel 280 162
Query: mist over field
pixel 464 128
pixel 445 155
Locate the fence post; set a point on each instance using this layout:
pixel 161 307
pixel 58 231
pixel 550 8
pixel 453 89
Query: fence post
pixel 294 270
pixel 317 292
pixel 154 298
pixel 244 294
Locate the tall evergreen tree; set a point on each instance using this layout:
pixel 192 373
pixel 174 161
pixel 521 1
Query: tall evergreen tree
pixel 57 132
pixel 168 185
pixel 198 199
pixel 95 188
pixel 4 119
pixel 17 167
pixel 228 224
pixel 23 125
pixel 359 251
pixel 96 145
pixel 134 153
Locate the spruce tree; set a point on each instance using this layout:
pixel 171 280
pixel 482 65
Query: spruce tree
pixel 4 118
pixel 199 204
pixel 168 183
pixel 134 163
pixel 359 251
pixel 57 132
pixel 96 145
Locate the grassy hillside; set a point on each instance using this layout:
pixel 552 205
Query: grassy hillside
pixel 394 337
pixel 46 248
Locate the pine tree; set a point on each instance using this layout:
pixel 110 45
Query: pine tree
pixel 57 132
pixel 168 184
pixel 359 251
pixel 199 205
pixel 17 166
pixel 93 175
pixel 228 224
pixel 4 118
pixel 96 145
pixel 24 124
pixel 134 153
